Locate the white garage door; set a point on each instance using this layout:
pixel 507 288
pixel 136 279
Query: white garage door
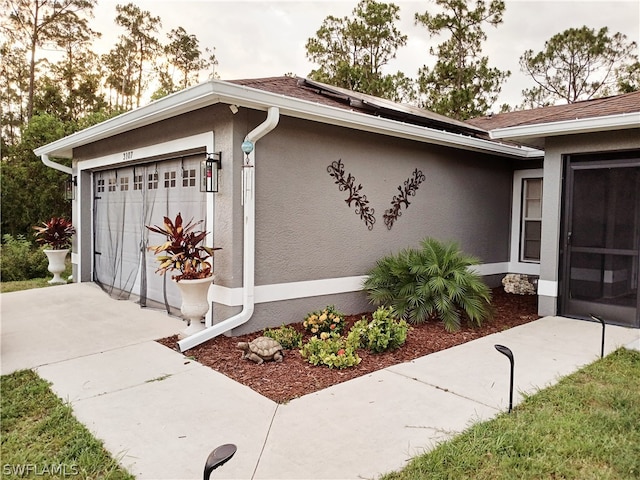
pixel 127 199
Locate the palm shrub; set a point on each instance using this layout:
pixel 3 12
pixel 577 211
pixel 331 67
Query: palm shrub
pixel 432 282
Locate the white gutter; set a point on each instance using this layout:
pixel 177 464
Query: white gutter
pixel 249 250
pixel 217 91
pixel 57 166
pixel 565 127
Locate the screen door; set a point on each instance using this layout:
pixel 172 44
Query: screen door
pixel 602 241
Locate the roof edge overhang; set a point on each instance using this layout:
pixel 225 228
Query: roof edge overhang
pixel 218 91
pixel 526 133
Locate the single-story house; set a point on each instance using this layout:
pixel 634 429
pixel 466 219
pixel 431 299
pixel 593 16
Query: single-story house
pixel 334 180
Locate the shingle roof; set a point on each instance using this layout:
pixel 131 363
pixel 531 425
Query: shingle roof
pixel 317 92
pixel 599 107
pixel 299 98
pixel 290 87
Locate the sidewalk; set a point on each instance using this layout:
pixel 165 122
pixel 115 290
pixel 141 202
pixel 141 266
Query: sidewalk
pixel 161 413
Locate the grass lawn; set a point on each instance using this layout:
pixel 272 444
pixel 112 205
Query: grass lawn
pixel 6 287
pixel 42 439
pixel 585 427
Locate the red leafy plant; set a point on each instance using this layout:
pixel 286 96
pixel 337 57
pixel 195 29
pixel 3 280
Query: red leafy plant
pixel 55 233
pixel 183 250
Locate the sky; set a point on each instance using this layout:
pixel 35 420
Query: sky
pixel 254 39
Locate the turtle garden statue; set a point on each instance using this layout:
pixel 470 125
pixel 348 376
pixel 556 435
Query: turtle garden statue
pixel 261 349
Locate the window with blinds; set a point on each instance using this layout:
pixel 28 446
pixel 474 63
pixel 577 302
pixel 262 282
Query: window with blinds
pixel 531 232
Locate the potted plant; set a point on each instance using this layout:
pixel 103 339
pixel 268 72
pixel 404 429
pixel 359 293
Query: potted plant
pixel 184 252
pixel 56 236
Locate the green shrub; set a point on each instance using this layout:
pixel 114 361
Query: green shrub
pixel 334 352
pixel 434 281
pixel 286 336
pixel 20 260
pixel 328 320
pixel 383 332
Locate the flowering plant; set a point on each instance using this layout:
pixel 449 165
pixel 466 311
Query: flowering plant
pixel 183 249
pixel 56 233
pixel 334 351
pixel 383 332
pixel 328 320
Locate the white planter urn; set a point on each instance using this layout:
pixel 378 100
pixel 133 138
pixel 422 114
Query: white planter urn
pixel 195 303
pixel 56 264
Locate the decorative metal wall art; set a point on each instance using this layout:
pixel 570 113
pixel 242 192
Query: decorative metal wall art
pixel 362 208
pixel 410 188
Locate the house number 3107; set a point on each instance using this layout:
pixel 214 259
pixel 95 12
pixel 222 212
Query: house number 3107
pixel 127 155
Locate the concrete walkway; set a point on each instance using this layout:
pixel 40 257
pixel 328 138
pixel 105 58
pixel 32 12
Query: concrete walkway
pixel 161 413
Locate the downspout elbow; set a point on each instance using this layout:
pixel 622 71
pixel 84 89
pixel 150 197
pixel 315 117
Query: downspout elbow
pixel 55 165
pixel 273 117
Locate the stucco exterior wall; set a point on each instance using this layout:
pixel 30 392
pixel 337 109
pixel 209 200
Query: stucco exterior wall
pixel 555 150
pixel 305 230
pixel 198 121
pixel 225 206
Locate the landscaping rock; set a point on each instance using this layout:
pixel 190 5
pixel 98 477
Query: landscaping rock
pixel 518 284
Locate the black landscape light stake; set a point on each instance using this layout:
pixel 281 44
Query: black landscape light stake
pixel 603 324
pixel 509 354
pixel 218 457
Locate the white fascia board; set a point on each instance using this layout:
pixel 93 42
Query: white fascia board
pixel 567 127
pixel 170 106
pixel 216 91
pixel 304 109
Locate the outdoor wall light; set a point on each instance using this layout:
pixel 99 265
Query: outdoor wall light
pixel 70 188
pixel 209 172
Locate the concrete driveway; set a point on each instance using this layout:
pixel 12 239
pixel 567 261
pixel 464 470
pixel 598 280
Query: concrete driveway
pixel 161 413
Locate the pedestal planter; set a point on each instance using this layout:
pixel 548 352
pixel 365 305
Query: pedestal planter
pixel 56 264
pixel 195 303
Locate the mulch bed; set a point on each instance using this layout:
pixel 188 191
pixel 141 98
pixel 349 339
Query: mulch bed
pixel 294 377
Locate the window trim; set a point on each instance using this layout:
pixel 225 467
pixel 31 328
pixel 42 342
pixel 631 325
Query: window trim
pixel 515 264
pixel 524 218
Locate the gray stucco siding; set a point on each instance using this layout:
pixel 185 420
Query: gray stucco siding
pixel 216 118
pixel 306 231
pixel 198 121
pixel 275 314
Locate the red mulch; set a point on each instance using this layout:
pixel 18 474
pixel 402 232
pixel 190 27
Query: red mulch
pixel 295 377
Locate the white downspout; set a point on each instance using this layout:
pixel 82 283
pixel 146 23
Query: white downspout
pixel 57 166
pixel 249 250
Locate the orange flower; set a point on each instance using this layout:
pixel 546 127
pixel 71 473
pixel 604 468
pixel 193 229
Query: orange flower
pixel 341 352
